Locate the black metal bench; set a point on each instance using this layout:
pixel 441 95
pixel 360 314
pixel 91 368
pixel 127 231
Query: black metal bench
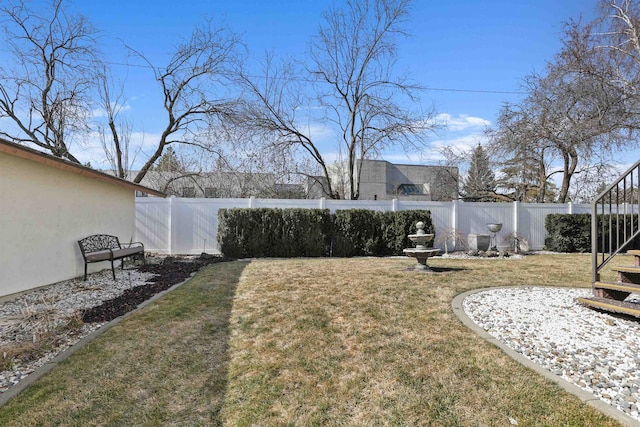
pixel 103 247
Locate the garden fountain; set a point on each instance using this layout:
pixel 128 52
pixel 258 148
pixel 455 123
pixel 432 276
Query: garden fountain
pixel 421 252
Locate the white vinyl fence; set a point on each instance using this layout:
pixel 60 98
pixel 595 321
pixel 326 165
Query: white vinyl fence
pixel 182 226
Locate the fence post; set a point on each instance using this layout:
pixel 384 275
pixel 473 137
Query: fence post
pixel 570 207
pixel 252 202
pixel 516 215
pixel 323 203
pixel 454 215
pixel 394 205
pixel 173 221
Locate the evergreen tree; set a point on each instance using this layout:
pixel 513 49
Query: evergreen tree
pixel 524 178
pixel 168 162
pixel 480 182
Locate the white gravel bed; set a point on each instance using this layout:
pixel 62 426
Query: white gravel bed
pixel 25 317
pixel 596 351
pixel 463 255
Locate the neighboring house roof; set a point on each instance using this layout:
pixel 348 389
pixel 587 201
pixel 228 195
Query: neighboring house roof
pixel 59 163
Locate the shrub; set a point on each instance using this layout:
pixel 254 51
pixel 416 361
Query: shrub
pixel 289 233
pixel 286 233
pixel 361 232
pixel 568 232
pixel 572 232
pixel 358 232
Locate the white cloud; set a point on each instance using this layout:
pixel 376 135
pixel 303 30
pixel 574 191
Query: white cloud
pixel 461 122
pixel 117 108
pixel 464 142
pixel 140 146
pixel 319 132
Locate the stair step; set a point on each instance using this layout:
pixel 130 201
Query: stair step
pixel 618 286
pixel 629 269
pixel 634 252
pixel 630 308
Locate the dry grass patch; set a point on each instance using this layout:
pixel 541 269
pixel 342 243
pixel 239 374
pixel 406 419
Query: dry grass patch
pixel 363 342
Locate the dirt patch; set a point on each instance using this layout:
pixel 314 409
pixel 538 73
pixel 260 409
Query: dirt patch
pixel 168 273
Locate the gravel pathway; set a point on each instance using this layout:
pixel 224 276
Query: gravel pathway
pixel 598 352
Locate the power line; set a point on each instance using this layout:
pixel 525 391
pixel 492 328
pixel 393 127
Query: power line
pixel 123 64
pixel 428 88
pixel 476 91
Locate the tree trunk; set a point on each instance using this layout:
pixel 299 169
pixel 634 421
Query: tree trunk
pixel 570 159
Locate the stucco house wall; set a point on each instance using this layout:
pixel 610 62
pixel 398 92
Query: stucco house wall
pixel 45 210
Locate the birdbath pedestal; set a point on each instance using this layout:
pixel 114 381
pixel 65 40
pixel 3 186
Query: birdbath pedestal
pixel 494 228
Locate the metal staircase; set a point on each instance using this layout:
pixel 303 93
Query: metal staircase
pixel 614 231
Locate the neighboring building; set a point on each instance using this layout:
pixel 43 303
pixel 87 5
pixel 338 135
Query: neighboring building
pixel 379 180
pixel 220 185
pixel 382 180
pixel 47 204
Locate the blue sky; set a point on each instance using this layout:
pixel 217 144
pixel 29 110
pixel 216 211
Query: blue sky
pixel 469 48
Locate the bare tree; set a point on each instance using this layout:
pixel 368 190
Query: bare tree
pixel 567 115
pixel 352 58
pixel 351 63
pixel 610 45
pixel 193 87
pixel 270 113
pixel 49 93
pixel 175 174
pixel 44 89
pixel 585 106
pixel 114 130
pixel 526 157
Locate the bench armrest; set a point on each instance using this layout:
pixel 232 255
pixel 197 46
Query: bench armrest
pixel 132 244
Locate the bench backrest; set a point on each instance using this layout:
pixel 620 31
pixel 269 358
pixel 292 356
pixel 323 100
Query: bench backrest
pixel 98 242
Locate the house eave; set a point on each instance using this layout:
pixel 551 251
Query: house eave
pixel 27 153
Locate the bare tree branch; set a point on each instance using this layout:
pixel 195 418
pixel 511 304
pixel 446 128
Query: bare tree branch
pixel 351 61
pixel 192 87
pixel 46 94
pixel 575 111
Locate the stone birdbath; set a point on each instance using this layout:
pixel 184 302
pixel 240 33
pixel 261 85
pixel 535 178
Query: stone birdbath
pixel 494 228
pixel 421 252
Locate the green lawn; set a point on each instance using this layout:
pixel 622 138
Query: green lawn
pixel 311 342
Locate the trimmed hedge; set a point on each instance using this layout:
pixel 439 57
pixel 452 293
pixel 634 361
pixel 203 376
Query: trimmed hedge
pixel 572 232
pixel 289 233
pixel 284 233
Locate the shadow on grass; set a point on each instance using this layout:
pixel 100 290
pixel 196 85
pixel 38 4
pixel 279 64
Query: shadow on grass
pixel 166 363
pixel 436 270
pixel 199 345
pixel 220 332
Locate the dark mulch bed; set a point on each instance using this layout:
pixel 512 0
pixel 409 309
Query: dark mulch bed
pixel 168 273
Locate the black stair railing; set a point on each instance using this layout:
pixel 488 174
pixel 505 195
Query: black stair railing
pixel 614 219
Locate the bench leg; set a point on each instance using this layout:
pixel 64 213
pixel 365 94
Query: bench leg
pixel 113 271
pixel 85 271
